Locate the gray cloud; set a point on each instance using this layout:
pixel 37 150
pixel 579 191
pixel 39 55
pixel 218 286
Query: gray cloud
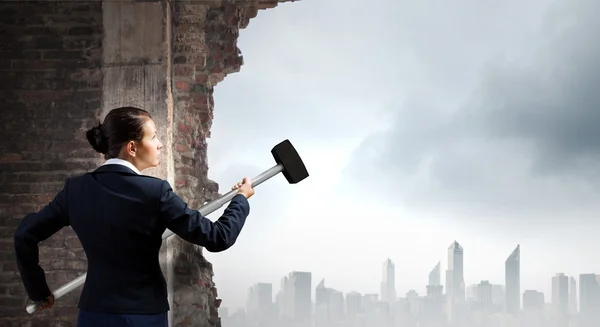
pixel 525 142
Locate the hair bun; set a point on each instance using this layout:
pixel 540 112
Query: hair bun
pixel 97 139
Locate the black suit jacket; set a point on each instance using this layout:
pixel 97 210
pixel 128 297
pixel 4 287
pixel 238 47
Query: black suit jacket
pixel 119 217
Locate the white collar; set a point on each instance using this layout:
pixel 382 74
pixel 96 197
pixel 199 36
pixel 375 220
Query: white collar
pixel 122 162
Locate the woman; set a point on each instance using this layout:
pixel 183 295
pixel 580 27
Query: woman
pixel 119 216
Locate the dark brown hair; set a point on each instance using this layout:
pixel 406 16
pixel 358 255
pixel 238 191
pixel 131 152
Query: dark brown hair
pixel 120 126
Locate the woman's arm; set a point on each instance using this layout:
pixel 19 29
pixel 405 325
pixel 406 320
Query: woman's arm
pixel 33 229
pixel 190 225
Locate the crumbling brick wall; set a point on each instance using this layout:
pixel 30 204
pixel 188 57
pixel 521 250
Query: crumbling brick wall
pixel 204 52
pixel 52 88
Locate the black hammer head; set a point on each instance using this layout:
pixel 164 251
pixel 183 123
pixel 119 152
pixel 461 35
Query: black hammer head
pixel 293 167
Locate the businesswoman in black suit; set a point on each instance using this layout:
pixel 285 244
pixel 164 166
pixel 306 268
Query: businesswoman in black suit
pixel 119 216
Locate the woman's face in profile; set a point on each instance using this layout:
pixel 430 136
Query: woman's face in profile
pixel 148 154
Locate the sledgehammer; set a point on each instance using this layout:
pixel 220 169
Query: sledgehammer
pixel 288 162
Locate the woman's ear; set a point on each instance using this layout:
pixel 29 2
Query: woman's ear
pixel 131 148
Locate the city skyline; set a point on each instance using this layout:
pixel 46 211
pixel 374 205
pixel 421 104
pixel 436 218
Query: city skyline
pixel 453 304
pixel 515 254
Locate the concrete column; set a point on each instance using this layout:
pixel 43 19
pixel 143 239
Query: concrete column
pixel 137 72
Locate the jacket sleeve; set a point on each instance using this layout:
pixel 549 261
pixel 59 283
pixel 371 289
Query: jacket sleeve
pixel 191 226
pixel 33 229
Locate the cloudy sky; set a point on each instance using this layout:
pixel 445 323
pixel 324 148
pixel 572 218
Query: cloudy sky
pixel 421 123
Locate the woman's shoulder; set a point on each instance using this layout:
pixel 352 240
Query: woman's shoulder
pixel 143 181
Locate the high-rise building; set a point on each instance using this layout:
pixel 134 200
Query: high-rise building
pixel 589 293
pixel 353 305
pixel 250 300
pixel 456 264
pixel 320 314
pixel 589 300
pixel 370 298
pixel 572 296
pixel 264 296
pixel 388 283
pixel 321 296
pixel 435 278
pixel 336 306
pixel 433 305
pixel 413 302
pixel 259 303
pixel 533 314
pixel 301 288
pixel 329 305
pixel 455 284
pixel 498 295
pixel 484 296
pixel 560 300
pixel 533 299
pixel 512 274
pixel 471 293
pixel 284 298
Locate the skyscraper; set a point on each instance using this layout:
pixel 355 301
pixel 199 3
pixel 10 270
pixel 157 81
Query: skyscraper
pixel 329 305
pixel 484 297
pixel 353 305
pixel 435 276
pixel 321 296
pixel 433 306
pixel 572 296
pixel 434 287
pixel 455 265
pixel 455 284
pixel 533 314
pixel 560 299
pixel 589 300
pixel 512 275
pixel 301 288
pixel 433 310
pixel 533 299
pixel 284 298
pixel 388 283
pixel 259 303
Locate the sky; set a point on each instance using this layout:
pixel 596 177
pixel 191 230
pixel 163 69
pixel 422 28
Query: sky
pixel 420 123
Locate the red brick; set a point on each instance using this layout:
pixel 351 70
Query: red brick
pixel 200 98
pixel 183 70
pixel 202 107
pixel 185 128
pixel 206 116
pixel 217 69
pixel 182 148
pixel 233 20
pixel 230 47
pixel 217 56
pixel 182 86
pixel 229 8
pixel 201 78
pixel 10 157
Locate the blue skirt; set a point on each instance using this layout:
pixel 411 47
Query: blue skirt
pixel 98 319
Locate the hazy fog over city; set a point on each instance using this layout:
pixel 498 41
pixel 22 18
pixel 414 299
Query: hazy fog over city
pixel 422 123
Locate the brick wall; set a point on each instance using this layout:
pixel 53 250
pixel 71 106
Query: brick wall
pixel 204 52
pixel 50 88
